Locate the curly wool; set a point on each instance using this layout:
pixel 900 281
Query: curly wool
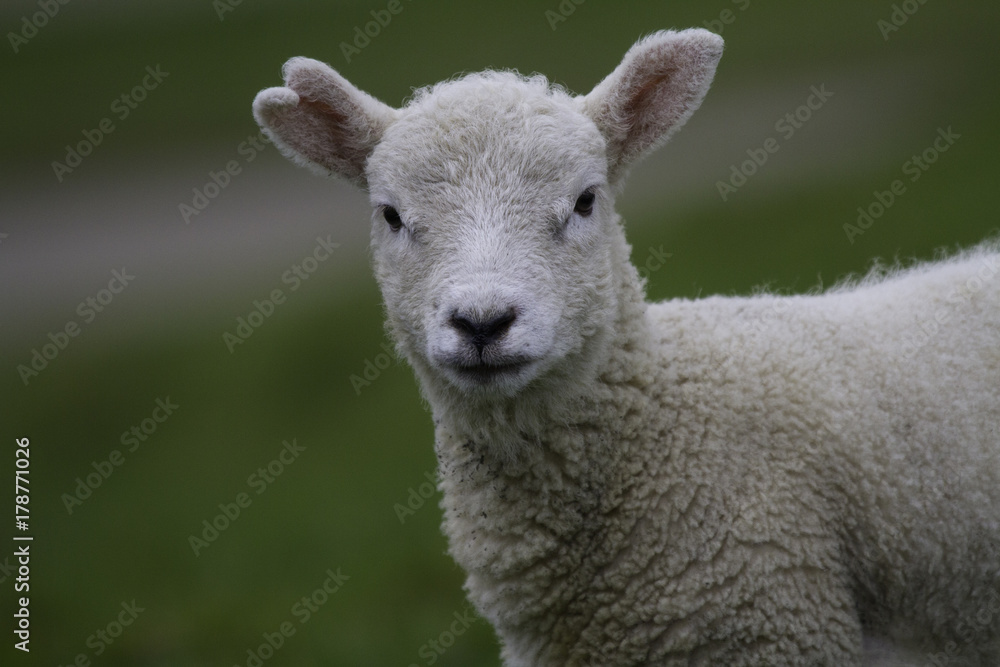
pixel 780 466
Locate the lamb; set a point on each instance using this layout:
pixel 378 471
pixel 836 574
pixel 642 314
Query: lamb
pixel 807 480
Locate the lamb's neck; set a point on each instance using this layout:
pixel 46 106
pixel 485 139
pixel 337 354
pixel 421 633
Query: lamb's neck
pixel 530 523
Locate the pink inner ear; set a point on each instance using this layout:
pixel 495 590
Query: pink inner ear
pixel 344 136
pixel 641 109
pixel 659 83
pixel 322 132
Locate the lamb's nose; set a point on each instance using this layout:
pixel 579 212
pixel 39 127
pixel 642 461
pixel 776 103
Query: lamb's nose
pixel 482 330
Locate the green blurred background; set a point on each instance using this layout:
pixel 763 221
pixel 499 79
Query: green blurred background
pixel 368 448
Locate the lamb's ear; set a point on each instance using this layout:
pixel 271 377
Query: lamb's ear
pixel 658 85
pixel 322 121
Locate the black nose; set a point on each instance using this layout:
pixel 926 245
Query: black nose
pixel 481 331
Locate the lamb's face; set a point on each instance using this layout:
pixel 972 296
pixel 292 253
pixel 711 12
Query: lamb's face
pixel 490 226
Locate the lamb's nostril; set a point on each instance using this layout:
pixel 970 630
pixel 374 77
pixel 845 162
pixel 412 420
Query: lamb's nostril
pixel 481 331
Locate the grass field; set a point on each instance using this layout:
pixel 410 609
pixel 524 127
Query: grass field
pixel 368 449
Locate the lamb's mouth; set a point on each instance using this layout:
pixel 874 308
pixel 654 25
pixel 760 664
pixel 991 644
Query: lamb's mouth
pixel 485 373
pixel 506 375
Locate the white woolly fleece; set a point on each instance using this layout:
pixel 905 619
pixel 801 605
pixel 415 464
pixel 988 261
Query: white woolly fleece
pixel 808 480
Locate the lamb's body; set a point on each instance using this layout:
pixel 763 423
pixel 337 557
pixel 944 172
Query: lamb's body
pixel 758 481
pixel 795 474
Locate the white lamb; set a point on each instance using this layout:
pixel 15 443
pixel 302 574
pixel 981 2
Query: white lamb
pixel 809 480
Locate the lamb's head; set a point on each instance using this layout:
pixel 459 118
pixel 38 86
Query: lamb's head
pixel 489 231
pixel 493 228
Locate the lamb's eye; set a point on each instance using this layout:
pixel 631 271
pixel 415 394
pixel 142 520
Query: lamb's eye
pixel 585 203
pixel 391 216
